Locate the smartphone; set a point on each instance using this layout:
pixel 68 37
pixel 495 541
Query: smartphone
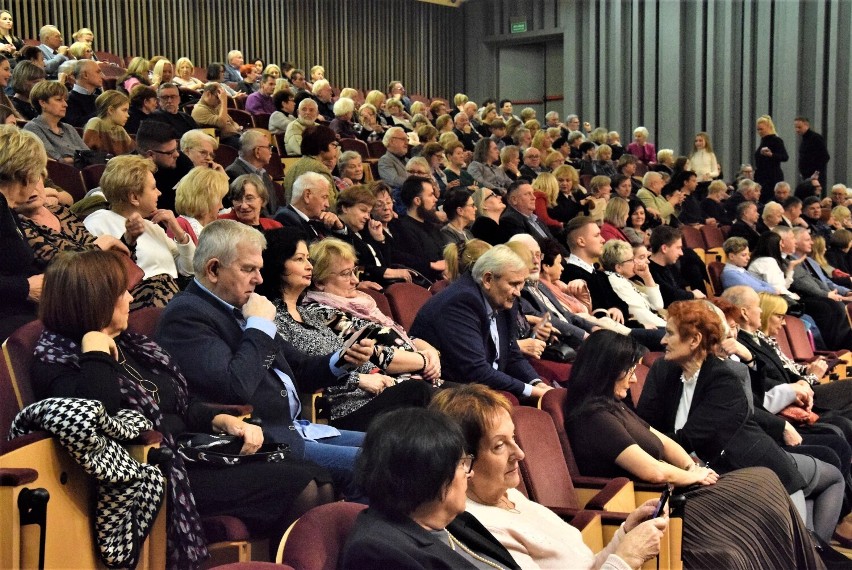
pixel 664 498
pixel 361 334
pixel 545 320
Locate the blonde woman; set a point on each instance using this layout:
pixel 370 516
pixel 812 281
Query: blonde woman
pixel 183 75
pixel 702 159
pixel 543 142
pixel 768 157
pixel 81 50
pixel 164 72
pixel 105 132
pixel 546 191
pixel 137 72
pixel 198 199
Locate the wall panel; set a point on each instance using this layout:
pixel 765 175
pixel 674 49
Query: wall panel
pixel 361 43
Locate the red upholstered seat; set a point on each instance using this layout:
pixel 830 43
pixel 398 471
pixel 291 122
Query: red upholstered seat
pixel 67 178
pixel 315 541
pixel 405 300
pixel 439 286
pixel 357 145
pixel 714 269
pixel 381 301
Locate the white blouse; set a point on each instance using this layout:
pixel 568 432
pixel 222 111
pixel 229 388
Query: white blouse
pixel 703 164
pixel 767 269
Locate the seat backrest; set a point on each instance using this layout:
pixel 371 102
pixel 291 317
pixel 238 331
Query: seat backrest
pixel 544 469
pixel 225 155
pixel 553 404
pixel 376 149
pixel 381 301
pixel 712 236
pixel 636 389
pixel 797 334
pixel 18 356
pixel 357 145
pixel 315 541
pixel 261 120
pixel 68 178
pixel 405 300
pixel 92 175
pixel 144 320
pixel 275 168
pixel 439 286
pixel 714 269
pixel 784 343
pixel 692 237
pixel 242 118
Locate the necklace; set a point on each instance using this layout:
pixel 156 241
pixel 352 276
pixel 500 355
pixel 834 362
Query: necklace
pixel 454 541
pixel 144 383
pixel 503 503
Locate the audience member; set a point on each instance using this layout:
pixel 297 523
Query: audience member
pixel 392 163
pixel 250 199
pixel 212 112
pixel 519 217
pixel 55 54
pixel 200 148
pixel 143 102
pixel 772 216
pixel 254 156
pixel 342 124
pixel 666 250
pixel 309 208
pixel 483 166
pixel 105 132
pixel 232 67
pixel 417 236
pixel 282 117
pixel 169 112
pixel 61 141
pixel 630 278
pixel 260 101
pixel 157 142
pixel 813 154
pixel 198 198
pixel 88 81
pixel 641 148
pixel 319 148
pixel 745 225
pixel 308 112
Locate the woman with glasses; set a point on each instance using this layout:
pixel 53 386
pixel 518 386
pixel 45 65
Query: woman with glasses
pixel 133 217
pixel 414 469
pixel 489 206
pixel 249 196
pixel 534 536
pixel 623 263
pixel 743 519
pixel 287 273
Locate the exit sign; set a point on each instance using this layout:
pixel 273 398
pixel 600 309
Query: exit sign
pixel 519 26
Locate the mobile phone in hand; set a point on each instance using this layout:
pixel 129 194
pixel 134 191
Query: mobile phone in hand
pixel 664 498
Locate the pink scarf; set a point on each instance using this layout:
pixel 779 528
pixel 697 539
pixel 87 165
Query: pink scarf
pixel 362 306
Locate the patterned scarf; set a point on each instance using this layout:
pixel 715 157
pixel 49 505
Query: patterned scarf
pixel 362 306
pixel 186 545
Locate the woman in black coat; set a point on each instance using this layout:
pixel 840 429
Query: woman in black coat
pixel 768 157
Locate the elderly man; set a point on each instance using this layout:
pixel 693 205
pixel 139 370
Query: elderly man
pixel 519 217
pixel 532 167
pixel 813 153
pixel 392 163
pixel 773 213
pixel 55 54
pixel 551 119
pixel 254 157
pixel 823 299
pixel 465 132
pixel 212 111
pixel 472 324
pixel 261 100
pixel 308 208
pixel 745 226
pixel 323 94
pixel 417 234
pixel 200 148
pixel 81 98
pixel 781 192
pixel 747 191
pixel 169 112
pixel 651 195
pixel 158 142
pixel 223 336
pixel 308 112
pixel 232 67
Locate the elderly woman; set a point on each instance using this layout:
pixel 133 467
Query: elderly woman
pixel 489 208
pixel 105 132
pixel 534 536
pixel 461 213
pixel 335 300
pixel 510 162
pixel 609 439
pixel 183 75
pixel 768 156
pixel 249 196
pixel 643 150
pixel 342 124
pixel 482 166
pixel 624 263
pixel 80 50
pixel 546 189
pixel 287 273
pixel 200 148
pixel 351 168
pixel 198 199
pixel 455 172
pixel 398 116
pixel 713 205
pixel 414 469
pixel 371 128
pixel 543 143
pixel 615 219
pixel 22 164
pixel 129 186
pixel 665 162
pixel 61 141
pixel 85 352
pixel 603 165
pixel 319 145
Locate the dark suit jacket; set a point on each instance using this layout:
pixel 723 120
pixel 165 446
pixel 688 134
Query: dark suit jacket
pixel 239 167
pixel 456 323
pixel 719 420
pixel 417 245
pixel 745 231
pixel 572 332
pixel 289 218
pixel 603 295
pixel 378 541
pixel 81 108
pixel 225 364
pixel 181 122
pixel 513 222
pixel 671 284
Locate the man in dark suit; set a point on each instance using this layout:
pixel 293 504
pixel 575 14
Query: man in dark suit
pixel 471 323
pixel 255 154
pixel 519 217
pixel 745 226
pixel 308 209
pixel 88 81
pixel 813 154
pixel 158 143
pixel 223 336
pixel 666 250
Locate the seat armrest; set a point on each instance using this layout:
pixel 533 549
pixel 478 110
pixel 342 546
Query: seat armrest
pixel 15 477
pixel 607 517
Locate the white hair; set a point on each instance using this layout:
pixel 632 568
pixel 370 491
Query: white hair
pixel 497 261
pixel 305 182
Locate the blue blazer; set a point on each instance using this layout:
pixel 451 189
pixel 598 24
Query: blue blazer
pixel 455 322
pixel 225 364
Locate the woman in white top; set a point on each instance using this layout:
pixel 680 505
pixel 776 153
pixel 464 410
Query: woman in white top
pixel 623 262
pixel 702 160
pixel 129 187
pixel 534 536
pixel 768 264
pixel 183 75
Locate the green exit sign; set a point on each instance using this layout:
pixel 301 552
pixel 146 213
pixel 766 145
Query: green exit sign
pixel 519 26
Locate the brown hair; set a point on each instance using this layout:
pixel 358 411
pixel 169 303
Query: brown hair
pixel 472 406
pixel 358 194
pixel 94 280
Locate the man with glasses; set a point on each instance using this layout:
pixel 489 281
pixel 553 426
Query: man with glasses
pixel 532 167
pixel 158 142
pixel 308 209
pixel 254 157
pixel 223 336
pixel 169 112
pixel 392 163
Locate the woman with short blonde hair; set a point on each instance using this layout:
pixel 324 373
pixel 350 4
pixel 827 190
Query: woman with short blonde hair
pixel 198 199
pixel 183 75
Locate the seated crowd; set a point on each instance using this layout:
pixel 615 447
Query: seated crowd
pixel 563 262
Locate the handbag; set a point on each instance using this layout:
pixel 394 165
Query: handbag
pixel 225 450
pixel 84 158
pixel 559 352
pixel 798 416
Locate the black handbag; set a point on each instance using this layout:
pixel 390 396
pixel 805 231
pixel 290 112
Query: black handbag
pixel 559 352
pixel 225 450
pixel 84 158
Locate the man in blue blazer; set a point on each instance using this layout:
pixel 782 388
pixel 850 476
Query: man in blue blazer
pixel 224 337
pixel 472 326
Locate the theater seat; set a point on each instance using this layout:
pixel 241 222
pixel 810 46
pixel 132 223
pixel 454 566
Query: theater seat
pixel 315 541
pixel 381 301
pixel 714 269
pixel 405 299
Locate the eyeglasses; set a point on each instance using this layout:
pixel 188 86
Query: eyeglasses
pixel 631 371
pixel 631 260
pixel 399 139
pixel 334 144
pixel 166 152
pixel 246 200
pixel 269 147
pixel 466 463
pixel 349 273
pixel 418 173
pixel 168 97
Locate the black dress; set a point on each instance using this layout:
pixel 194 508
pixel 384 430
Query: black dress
pixel 259 494
pixel 767 169
pixel 17 263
